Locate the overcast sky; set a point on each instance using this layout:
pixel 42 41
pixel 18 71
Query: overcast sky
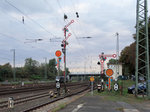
pixel 43 19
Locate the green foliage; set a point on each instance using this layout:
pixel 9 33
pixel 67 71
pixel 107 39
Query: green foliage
pixel 52 71
pixel 5 71
pixel 116 96
pixel 128 59
pixel 32 70
pixel 1 78
pixel 128 55
pixel 112 61
pixel 35 77
pixel 31 67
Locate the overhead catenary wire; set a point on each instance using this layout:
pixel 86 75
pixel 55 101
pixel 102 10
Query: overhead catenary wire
pixel 51 6
pixel 67 21
pixel 22 41
pixel 28 30
pixel 5 58
pixel 30 18
pixel 26 26
pixel 74 32
pixel 71 28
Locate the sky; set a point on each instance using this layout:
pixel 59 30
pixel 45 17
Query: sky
pixel 44 19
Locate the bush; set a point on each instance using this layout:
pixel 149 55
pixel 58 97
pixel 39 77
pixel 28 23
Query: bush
pixel 35 77
pixel 1 79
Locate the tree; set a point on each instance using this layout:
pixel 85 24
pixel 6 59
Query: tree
pixel 20 73
pixel 112 61
pixel 52 71
pixel 128 54
pixel 32 70
pixel 6 71
pixel 31 67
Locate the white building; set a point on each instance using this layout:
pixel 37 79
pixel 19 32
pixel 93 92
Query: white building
pixel 115 68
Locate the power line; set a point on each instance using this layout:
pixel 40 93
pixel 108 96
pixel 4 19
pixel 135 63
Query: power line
pixel 5 58
pixel 60 6
pixel 19 40
pixel 22 41
pixel 24 25
pixel 30 18
pixel 67 20
pixel 71 27
pixel 50 5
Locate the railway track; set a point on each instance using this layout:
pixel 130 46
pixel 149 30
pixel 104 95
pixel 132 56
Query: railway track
pixel 17 86
pixel 18 101
pixel 8 91
pixel 21 90
pixel 4 104
pixel 54 100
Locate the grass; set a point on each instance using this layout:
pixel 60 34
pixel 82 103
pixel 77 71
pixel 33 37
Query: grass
pixel 120 109
pixel 61 106
pixel 117 96
pixel 130 98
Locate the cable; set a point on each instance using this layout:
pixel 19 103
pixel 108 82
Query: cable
pixel 67 20
pixel 58 19
pixel 21 41
pixel 60 6
pixel 24 25
pixel 30 18
pixel 5 58
pixel 77 22
pixel 71 28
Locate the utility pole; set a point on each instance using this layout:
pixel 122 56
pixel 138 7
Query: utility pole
pixel 142 45
pixel 85 67
pixel 117 53
pixel 14 71
pixel 45 68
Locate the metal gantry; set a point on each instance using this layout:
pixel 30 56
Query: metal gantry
pixel 142 46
